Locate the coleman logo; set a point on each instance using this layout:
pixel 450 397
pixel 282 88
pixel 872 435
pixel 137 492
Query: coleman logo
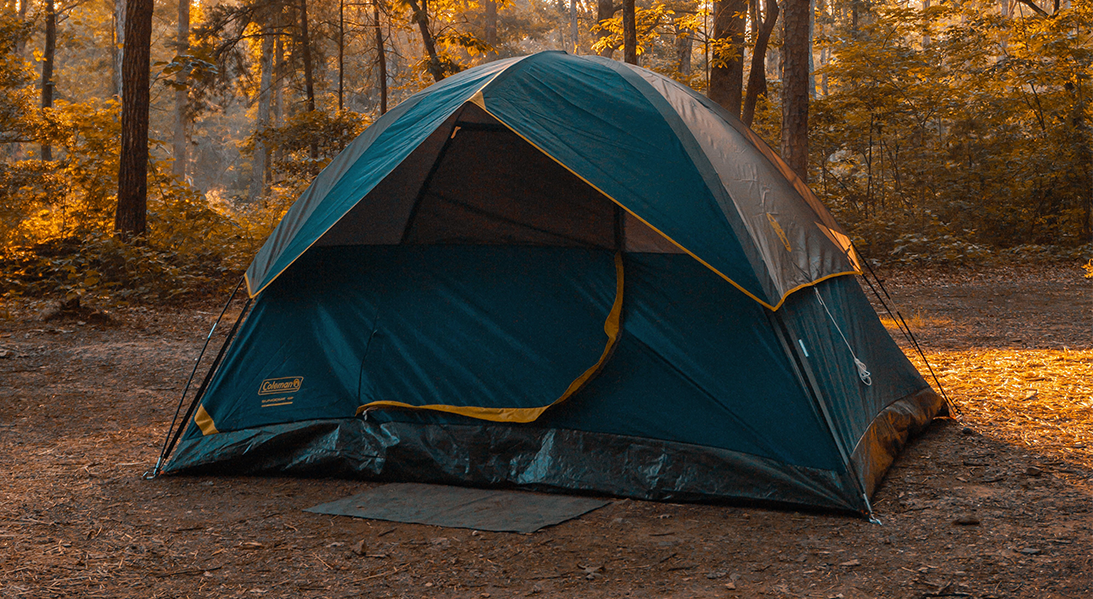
pixel 279 386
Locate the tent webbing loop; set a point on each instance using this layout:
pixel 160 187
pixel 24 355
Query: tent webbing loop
pixel 904 328
pixel 169 441
pixel 863 372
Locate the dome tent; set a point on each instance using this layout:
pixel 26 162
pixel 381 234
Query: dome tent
pixel 562 272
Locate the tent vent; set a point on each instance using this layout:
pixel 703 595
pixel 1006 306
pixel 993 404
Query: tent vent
pixel 863 372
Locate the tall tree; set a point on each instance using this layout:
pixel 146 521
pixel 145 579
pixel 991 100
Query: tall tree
pixel 381 57
pixel 182 43
pixel 629 32
pixel 575 42
pixel 130 220
pixel 796 51
pixel 605 10
pixel 421 17
pixel 490 14
pixel 727 65
pixel 119 45
pixel 305 53
pixel 260 175
pixel 684 47
pixel 757 77
pixel 341 55
pixel 21 43
pixel 48 54
pixel 309 72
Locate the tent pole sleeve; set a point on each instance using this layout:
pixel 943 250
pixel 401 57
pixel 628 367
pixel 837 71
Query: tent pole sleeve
pixel 168 447
pixel 197 362
pixel 429 179
pixel 806 377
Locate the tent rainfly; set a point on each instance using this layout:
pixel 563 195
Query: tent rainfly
pixel 564 273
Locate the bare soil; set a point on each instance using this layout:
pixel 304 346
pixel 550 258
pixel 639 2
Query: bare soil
pixel 994 504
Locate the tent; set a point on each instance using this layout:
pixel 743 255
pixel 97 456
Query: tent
pixel 567 273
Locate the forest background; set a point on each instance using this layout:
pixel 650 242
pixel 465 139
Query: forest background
pixel 950 131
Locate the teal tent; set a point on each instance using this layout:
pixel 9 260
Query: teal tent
pixel 570 273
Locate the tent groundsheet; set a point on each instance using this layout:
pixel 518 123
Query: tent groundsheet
pixel 461 507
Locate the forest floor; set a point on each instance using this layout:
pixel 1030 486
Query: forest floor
pixel 994 504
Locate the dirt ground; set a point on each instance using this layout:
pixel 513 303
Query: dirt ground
pixel 996 504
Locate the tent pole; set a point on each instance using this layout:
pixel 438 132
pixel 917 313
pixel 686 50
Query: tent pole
pixel 208 377
pixel 429 178
pixel 904 328
pixel 167 444
pixel 808 379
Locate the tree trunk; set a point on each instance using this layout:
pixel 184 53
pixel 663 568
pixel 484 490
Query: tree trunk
pixel 119 44
pixel 727 68
pixel 278 73
pixel 421 17
pixel 684 47
pixel 573 26
pixel 181 94
pixel 21 45
pixel 811 56
pixel 629 32
pixel 757 78
pixel 605 9
pixel 490 13
pixel 47 67
pixel 926 28
pixel 309 73
pixel 305 52
pixel 130 220
pixel 265 96
pixel 381 58
pixel 795 87
pixel 341 55
pixel 278 99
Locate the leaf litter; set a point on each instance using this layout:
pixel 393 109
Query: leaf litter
pixel 993 504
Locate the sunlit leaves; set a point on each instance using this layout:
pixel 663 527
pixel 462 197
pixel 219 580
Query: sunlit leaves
pixel 955 128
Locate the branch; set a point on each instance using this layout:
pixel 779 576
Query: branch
pixel 1033 6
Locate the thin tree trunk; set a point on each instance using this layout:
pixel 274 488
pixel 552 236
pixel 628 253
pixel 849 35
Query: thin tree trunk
pixel 421 16
pixel 573 26
pixel 629 32
pixel 278 73
pixel 278 108
pixel 684 47
pixel 727 70
pixel 130 220
pixel 265 99
pixel 309 74
pixel 490 13
pixel 341 55
pixel 181 94
pixel 795 49
pixel 381 58
pixel 757 78
pixel 21 44
pixel 47 67
pixel 926 29
pixel 305 52
pixel 119 44
pixel 605 9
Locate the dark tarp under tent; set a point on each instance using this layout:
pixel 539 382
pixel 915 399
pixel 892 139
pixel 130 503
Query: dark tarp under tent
pixel 567 273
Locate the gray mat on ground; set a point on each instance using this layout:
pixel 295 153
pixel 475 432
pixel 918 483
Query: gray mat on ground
pixel 459 507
